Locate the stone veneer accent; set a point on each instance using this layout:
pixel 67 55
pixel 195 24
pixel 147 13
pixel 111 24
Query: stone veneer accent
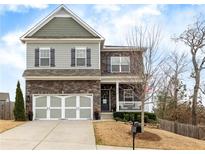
pixel 136 61
pixel 63 86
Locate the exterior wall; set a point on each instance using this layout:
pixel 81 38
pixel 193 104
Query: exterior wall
pixel 62 55
pixel 66 87
pixel 62 27
pixel 136 61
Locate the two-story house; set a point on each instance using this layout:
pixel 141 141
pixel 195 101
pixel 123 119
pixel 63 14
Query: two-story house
pixel 70 73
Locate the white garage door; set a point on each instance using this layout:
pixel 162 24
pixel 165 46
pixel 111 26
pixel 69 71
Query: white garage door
pixel 54 107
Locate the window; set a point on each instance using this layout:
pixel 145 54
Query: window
pixel 115 64
pixel 81 56
pixel 128 95
pixel 120 64
pixel 125 64
pixel 44 56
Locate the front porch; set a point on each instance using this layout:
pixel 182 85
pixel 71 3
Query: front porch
pixel 120 97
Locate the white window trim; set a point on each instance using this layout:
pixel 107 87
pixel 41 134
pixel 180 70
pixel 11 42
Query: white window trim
pixel 49 61
pixel 128 97
pixel 80 48
pixel 120 70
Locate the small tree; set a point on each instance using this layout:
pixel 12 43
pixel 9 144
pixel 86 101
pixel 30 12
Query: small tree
pixel 19 111
pixel 147 40
pixel 173 68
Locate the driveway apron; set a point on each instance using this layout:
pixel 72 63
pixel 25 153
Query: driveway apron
pixel 48 135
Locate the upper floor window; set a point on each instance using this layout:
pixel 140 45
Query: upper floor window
pixel 81 56
pixel 120 64
pixel 128 95
pixel 44 57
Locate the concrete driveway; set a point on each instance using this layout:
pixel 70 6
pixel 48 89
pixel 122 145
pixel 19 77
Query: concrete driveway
pixel 61 135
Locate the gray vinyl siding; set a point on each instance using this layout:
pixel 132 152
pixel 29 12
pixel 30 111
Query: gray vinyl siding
pixel 62 55
pixel 62 27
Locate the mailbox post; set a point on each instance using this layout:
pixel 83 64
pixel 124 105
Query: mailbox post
pixel 136 128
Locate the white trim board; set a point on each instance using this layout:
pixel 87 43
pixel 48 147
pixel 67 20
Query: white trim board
pixel 104 79
pixel 63 39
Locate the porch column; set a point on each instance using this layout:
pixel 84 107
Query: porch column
pixel 117 96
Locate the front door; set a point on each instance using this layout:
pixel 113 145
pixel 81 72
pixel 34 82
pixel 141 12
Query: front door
pixel 105 100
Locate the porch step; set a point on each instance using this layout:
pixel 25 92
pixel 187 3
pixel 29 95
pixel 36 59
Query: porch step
pixel 106 115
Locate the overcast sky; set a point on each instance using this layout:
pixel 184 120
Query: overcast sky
pixel 113 22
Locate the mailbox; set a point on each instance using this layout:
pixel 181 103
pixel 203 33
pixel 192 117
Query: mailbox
pixel 136 128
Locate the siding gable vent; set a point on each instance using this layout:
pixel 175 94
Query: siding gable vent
pixel 37 57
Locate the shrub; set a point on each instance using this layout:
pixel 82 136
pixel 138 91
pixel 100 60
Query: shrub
pixel 151 116
pixel 126 117
pixel 117 119
pixel 19 111
pixel 136 116
pixel 146 118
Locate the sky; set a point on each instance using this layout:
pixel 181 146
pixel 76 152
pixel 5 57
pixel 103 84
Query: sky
pixel 113 22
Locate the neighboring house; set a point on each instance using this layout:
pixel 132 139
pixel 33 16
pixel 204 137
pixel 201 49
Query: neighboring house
pixel 71 74
pixel 6 106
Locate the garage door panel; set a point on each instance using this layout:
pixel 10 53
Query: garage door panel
pixel 55 113
pixel 85 101
pixel 70 113
pixel 70 101
pixel 55 101
pixel 63 107
pixel 41 113
pixel 41 101
pixel 85 113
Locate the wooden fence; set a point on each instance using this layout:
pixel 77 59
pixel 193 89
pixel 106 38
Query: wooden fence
pixel 183 129
pixel 6 110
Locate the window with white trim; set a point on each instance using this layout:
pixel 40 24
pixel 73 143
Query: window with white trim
pixel 44 57
pixel 120 64
pixel 81 56
pixel 128 95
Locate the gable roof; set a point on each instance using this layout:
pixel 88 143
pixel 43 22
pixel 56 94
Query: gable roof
pixel 61 11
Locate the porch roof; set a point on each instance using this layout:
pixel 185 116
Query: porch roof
pixel 61 72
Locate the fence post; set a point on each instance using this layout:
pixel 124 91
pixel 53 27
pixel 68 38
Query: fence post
pixel 175 127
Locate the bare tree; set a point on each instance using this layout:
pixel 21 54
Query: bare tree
pixel 202 88
pixel 194 37
pixel 146 39
pixel 173 68
pixel 162 94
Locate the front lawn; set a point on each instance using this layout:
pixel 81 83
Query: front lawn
pixel 118 134
pixel 8 124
